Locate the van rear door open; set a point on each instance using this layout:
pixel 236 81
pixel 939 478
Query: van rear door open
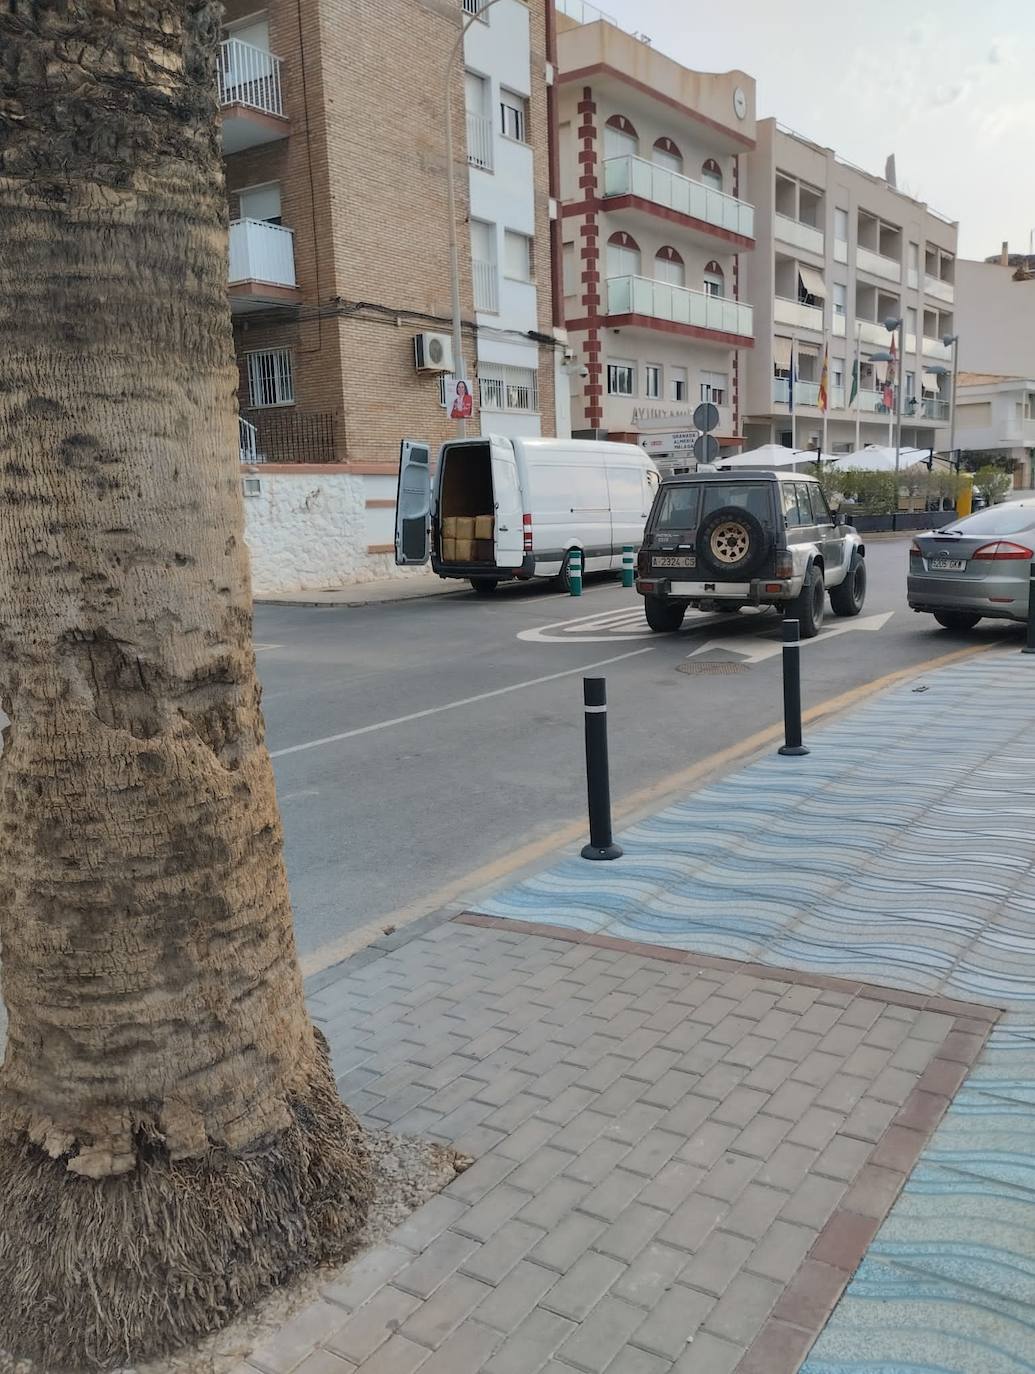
pixel 413 505
pixel 508 540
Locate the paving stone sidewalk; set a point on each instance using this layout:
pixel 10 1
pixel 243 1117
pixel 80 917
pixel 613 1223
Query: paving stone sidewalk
pixel 679 1162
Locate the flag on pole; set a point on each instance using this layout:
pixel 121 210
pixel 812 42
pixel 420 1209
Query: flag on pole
pixel 889 377
pixel 824 381
pixel 855 384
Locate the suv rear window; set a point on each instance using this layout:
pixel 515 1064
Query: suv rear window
pixel 684 507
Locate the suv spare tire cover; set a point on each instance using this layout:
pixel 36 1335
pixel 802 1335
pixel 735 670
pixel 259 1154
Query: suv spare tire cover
pixel 732 540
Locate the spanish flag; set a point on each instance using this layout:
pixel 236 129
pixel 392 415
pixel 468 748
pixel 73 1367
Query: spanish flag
pixel 824 381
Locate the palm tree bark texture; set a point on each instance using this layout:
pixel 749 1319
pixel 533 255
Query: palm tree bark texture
pixel 172 1144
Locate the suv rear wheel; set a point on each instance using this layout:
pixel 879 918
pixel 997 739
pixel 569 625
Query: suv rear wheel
pixel 664 617
pixel 808 606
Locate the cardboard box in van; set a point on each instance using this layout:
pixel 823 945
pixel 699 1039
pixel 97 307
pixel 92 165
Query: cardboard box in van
pixel 465 550
pixel 449 550
pixel 483 527
pixel 465 527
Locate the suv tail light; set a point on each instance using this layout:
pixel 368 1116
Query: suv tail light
pixel 784 564
pixel 526 532
pixel 1002 549
pixel 642 560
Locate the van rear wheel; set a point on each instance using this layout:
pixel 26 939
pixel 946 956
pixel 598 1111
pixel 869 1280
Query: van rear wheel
pixel 563 579
pixel 484 586
pixel 664 617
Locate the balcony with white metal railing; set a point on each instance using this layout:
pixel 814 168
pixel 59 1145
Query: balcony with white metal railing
pixel 888 269
pixel 250 96
pixel 486 286
pixel 479 141
pixel 262 265
pixel 671 191
pixel 246 433
pixel 662 301
pixel 940 290
pixel 800 235
pixel 797 315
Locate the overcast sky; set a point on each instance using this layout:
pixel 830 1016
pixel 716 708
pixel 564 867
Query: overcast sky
pixel 949 88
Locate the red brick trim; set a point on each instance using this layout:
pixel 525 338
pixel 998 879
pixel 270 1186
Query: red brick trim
pixel 604 69
pixel 264 291
pixel 355 469
pixel 686 331
pixel 387 503
pixel 648 207
pixel 380 548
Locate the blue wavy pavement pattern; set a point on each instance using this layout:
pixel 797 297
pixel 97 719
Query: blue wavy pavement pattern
pixel 900 851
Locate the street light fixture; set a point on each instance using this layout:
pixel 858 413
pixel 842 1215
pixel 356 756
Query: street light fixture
pixel 891 324
pixel 454 251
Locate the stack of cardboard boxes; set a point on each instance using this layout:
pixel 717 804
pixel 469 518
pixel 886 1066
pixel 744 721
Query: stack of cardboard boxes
pixel 467 539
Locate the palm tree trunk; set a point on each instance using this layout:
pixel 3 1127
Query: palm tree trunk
pixel 171 1140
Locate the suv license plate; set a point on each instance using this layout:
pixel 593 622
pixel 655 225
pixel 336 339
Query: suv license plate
pixel 674 560
pixel 947 564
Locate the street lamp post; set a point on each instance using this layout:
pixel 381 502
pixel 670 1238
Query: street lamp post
pixel 891 325
pixel 953 340
pixel 454 248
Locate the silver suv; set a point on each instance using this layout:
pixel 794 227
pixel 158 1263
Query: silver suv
pixel 722 540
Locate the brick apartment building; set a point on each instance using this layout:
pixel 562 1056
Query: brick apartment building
pixel 334 141
pixel 655 223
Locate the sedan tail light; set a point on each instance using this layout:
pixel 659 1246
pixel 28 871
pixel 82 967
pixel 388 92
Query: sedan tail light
pixel 1002 549
pixel 915 551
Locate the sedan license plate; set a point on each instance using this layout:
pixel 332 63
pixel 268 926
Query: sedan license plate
pixel 674 560
pixel 947 564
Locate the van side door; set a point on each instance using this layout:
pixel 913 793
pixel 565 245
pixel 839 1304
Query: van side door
pixel 627 488
pixel 413 505
pixel 507 534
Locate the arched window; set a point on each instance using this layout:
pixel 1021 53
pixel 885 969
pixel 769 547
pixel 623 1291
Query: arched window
pixel 711 174
pixel 623 256
pixel 714 279
pixel 669 266
pixel 620 137
pixel 667 155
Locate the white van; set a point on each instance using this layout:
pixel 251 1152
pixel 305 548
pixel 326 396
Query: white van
pixel 499 508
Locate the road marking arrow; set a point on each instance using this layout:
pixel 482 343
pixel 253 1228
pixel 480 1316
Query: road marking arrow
pixel 757 650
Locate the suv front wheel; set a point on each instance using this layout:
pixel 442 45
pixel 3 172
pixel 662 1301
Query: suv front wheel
pixel 664 617
pixel 809 605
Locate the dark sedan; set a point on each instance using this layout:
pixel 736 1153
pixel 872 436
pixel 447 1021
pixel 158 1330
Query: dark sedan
pixel 978 566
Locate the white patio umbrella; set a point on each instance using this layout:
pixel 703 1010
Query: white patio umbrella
pixel 768 456
pixel 874 458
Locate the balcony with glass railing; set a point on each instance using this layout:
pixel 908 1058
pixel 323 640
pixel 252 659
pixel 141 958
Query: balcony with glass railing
pixel 662 301
pixel 250 96
pixel 934 408
pixel 873 332
pixel 658 186
pixel 934 348
pixel 796 232
pixel 939 289
pixel 262 265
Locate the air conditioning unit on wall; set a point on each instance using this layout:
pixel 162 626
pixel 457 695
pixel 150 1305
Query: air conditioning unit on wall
pixel 433 353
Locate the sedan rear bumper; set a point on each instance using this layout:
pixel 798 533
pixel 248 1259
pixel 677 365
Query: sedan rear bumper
pixel 1003 598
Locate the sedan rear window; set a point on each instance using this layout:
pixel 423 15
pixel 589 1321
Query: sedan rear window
pixel 995 520
pixel 684 507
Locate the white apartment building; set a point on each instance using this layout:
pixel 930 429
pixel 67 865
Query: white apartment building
pixel 839 252
pixel 654 223
pixel 995 418
pixel 508 141
pixel 995 311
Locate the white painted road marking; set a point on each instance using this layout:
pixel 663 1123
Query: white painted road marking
pixel 757 650
pixel 452 705
pixel 627 622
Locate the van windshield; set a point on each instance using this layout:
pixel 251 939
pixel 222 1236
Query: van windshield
pixel 684 507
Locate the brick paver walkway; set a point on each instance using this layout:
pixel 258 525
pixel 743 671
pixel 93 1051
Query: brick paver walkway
pixel 679 1163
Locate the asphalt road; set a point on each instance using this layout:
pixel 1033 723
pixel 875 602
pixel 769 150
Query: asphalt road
pixel 415 742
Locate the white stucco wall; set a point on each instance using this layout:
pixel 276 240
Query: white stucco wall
pixel 311 531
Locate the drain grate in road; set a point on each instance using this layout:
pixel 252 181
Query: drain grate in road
pixel 695 669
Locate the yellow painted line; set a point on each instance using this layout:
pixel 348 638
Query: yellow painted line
pixel 644 800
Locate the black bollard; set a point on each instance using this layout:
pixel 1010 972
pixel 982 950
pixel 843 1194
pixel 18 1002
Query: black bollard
pixel 1029 643
pixel 792 690
pixel 598 784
